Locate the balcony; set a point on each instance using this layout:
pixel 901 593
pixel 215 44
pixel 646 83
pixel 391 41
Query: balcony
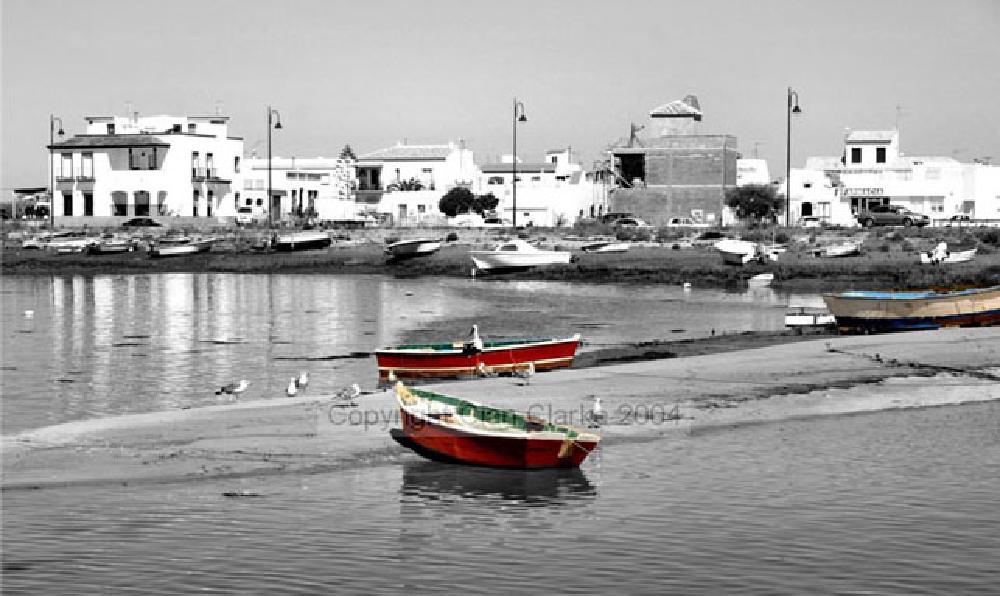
pixel 61 178
pixel 85 179
pixel 368 196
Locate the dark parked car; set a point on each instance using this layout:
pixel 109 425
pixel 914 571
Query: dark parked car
pixel 613 217
pixel 142 222
pixel 891 215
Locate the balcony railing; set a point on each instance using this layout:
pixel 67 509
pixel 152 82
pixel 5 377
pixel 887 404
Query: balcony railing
pixel 61 178
pixel 198 174
pixel 89 178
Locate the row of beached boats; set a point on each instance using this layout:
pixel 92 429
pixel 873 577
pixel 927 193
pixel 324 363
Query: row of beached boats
pixel 742 252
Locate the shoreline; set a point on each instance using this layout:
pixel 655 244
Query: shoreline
pixel 814 377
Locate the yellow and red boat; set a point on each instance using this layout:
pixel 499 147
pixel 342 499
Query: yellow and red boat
pixel 471 358
pixel 873 312
pixel 451 429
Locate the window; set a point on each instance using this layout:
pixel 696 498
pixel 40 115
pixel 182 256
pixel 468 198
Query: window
pixel 67 165
pixel 142 203
pixel 880 155
pixel 536 178
pixel 426 171
pixel 194 164
pixel 119 203
pixel 161 203
pixel 236 164
pixel 67 203
pixel 192 128
pixel 855 154
pixel 250 201
pixel 260 202
pixel 807 185
pixel 236 199
pixel 495 180
pixel 111 128
pixel 88 204
pixel 88 166
pixel 421 208
pixel 210 202
pixel 209 165
pixel 195 199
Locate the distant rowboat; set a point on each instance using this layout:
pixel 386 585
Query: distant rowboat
pixel 456 430
pixel 415 247
pixel 305 240
pixel 461 359
pixel 867 312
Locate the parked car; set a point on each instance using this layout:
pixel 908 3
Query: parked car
pixel 891 215
pixel 630 222
pixel 142 222
pixel 810 222
pixel 613 217
pixel 686 222
pixel 959 220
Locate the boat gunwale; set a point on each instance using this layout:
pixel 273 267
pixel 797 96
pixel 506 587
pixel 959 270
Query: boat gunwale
pixel 927 295
pixel 488 346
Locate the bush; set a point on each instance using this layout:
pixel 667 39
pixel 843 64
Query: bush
pixel 452 237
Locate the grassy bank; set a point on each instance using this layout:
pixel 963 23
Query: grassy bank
pixel 889 260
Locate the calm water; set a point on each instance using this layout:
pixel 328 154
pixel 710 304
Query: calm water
pixel 900 502
pixel 108 345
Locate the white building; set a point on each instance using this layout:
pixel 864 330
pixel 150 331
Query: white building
pixel 407 181
pixel 872 170
pixel 319 186
pixel 550 193
pixel 170 166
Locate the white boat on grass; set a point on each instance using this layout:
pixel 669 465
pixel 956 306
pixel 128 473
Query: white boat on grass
pixel 760 280
pixel 605 246
pixel 179 246
pixel 941 254
pixel 305 240
pixel 517 254
pixel 415 247
pixel 741 252
pixel 846 249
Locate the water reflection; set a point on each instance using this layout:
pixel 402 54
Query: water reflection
pixel 438 484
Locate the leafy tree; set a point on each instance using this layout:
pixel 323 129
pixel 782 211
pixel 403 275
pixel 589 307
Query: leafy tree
pixel 455 201
pixel 483 203
pixel 348 153
pixel 754 202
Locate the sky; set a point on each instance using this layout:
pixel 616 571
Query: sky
pixel 373 73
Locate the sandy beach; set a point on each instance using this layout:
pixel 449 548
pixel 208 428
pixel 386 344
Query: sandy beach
pixel 643 400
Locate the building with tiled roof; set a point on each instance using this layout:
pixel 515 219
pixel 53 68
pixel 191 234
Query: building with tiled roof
pixel 158 166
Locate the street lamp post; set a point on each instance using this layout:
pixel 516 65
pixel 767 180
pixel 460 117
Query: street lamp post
pixel 275 117
pixel 518 117
pixel 793 108
pixel 52 169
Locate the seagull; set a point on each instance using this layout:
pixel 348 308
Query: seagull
pixel 29 314
pixel 291 390
pixel 526 373
pixel 597 416
pixel 234 388
pixel 349 393
pixel 303 379
pixel 475 343
pixel 687 285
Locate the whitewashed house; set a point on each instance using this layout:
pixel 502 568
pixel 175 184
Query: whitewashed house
pixel 185 167
pixel 406 182
pixel 323 187
pixel 554 192
pixel 873 171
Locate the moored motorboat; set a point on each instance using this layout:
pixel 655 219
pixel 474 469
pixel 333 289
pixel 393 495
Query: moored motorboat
pixel 305 240
pixel 471 358
pixel 517 254
pixel 866 312
pixel 446 428
pixel 179 246
pixel 412 248
pixel 113 244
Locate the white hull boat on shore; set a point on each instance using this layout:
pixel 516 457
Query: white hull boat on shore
pixel 847 249
pixel 941 255
pixel 416 247
pixel 180 247
pixel 306 240
pixel 741 252
pixel 605 246
pixel 516 254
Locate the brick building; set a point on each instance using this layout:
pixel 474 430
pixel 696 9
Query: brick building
pixel 675 171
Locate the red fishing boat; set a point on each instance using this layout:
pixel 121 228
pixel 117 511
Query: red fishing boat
pixel 475 357
pixel 451 429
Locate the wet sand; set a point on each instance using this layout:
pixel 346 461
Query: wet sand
pixel 643 400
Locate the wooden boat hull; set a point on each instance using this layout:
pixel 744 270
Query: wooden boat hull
pixel 452 361
pixel 875 312
pixel 443 438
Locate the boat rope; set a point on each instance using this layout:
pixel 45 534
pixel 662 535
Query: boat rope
pixel 893 362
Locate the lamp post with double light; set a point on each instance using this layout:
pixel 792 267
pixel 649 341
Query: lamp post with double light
pixel 52 169
pixel 793 108
pixel 273 120
pixel 518 117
